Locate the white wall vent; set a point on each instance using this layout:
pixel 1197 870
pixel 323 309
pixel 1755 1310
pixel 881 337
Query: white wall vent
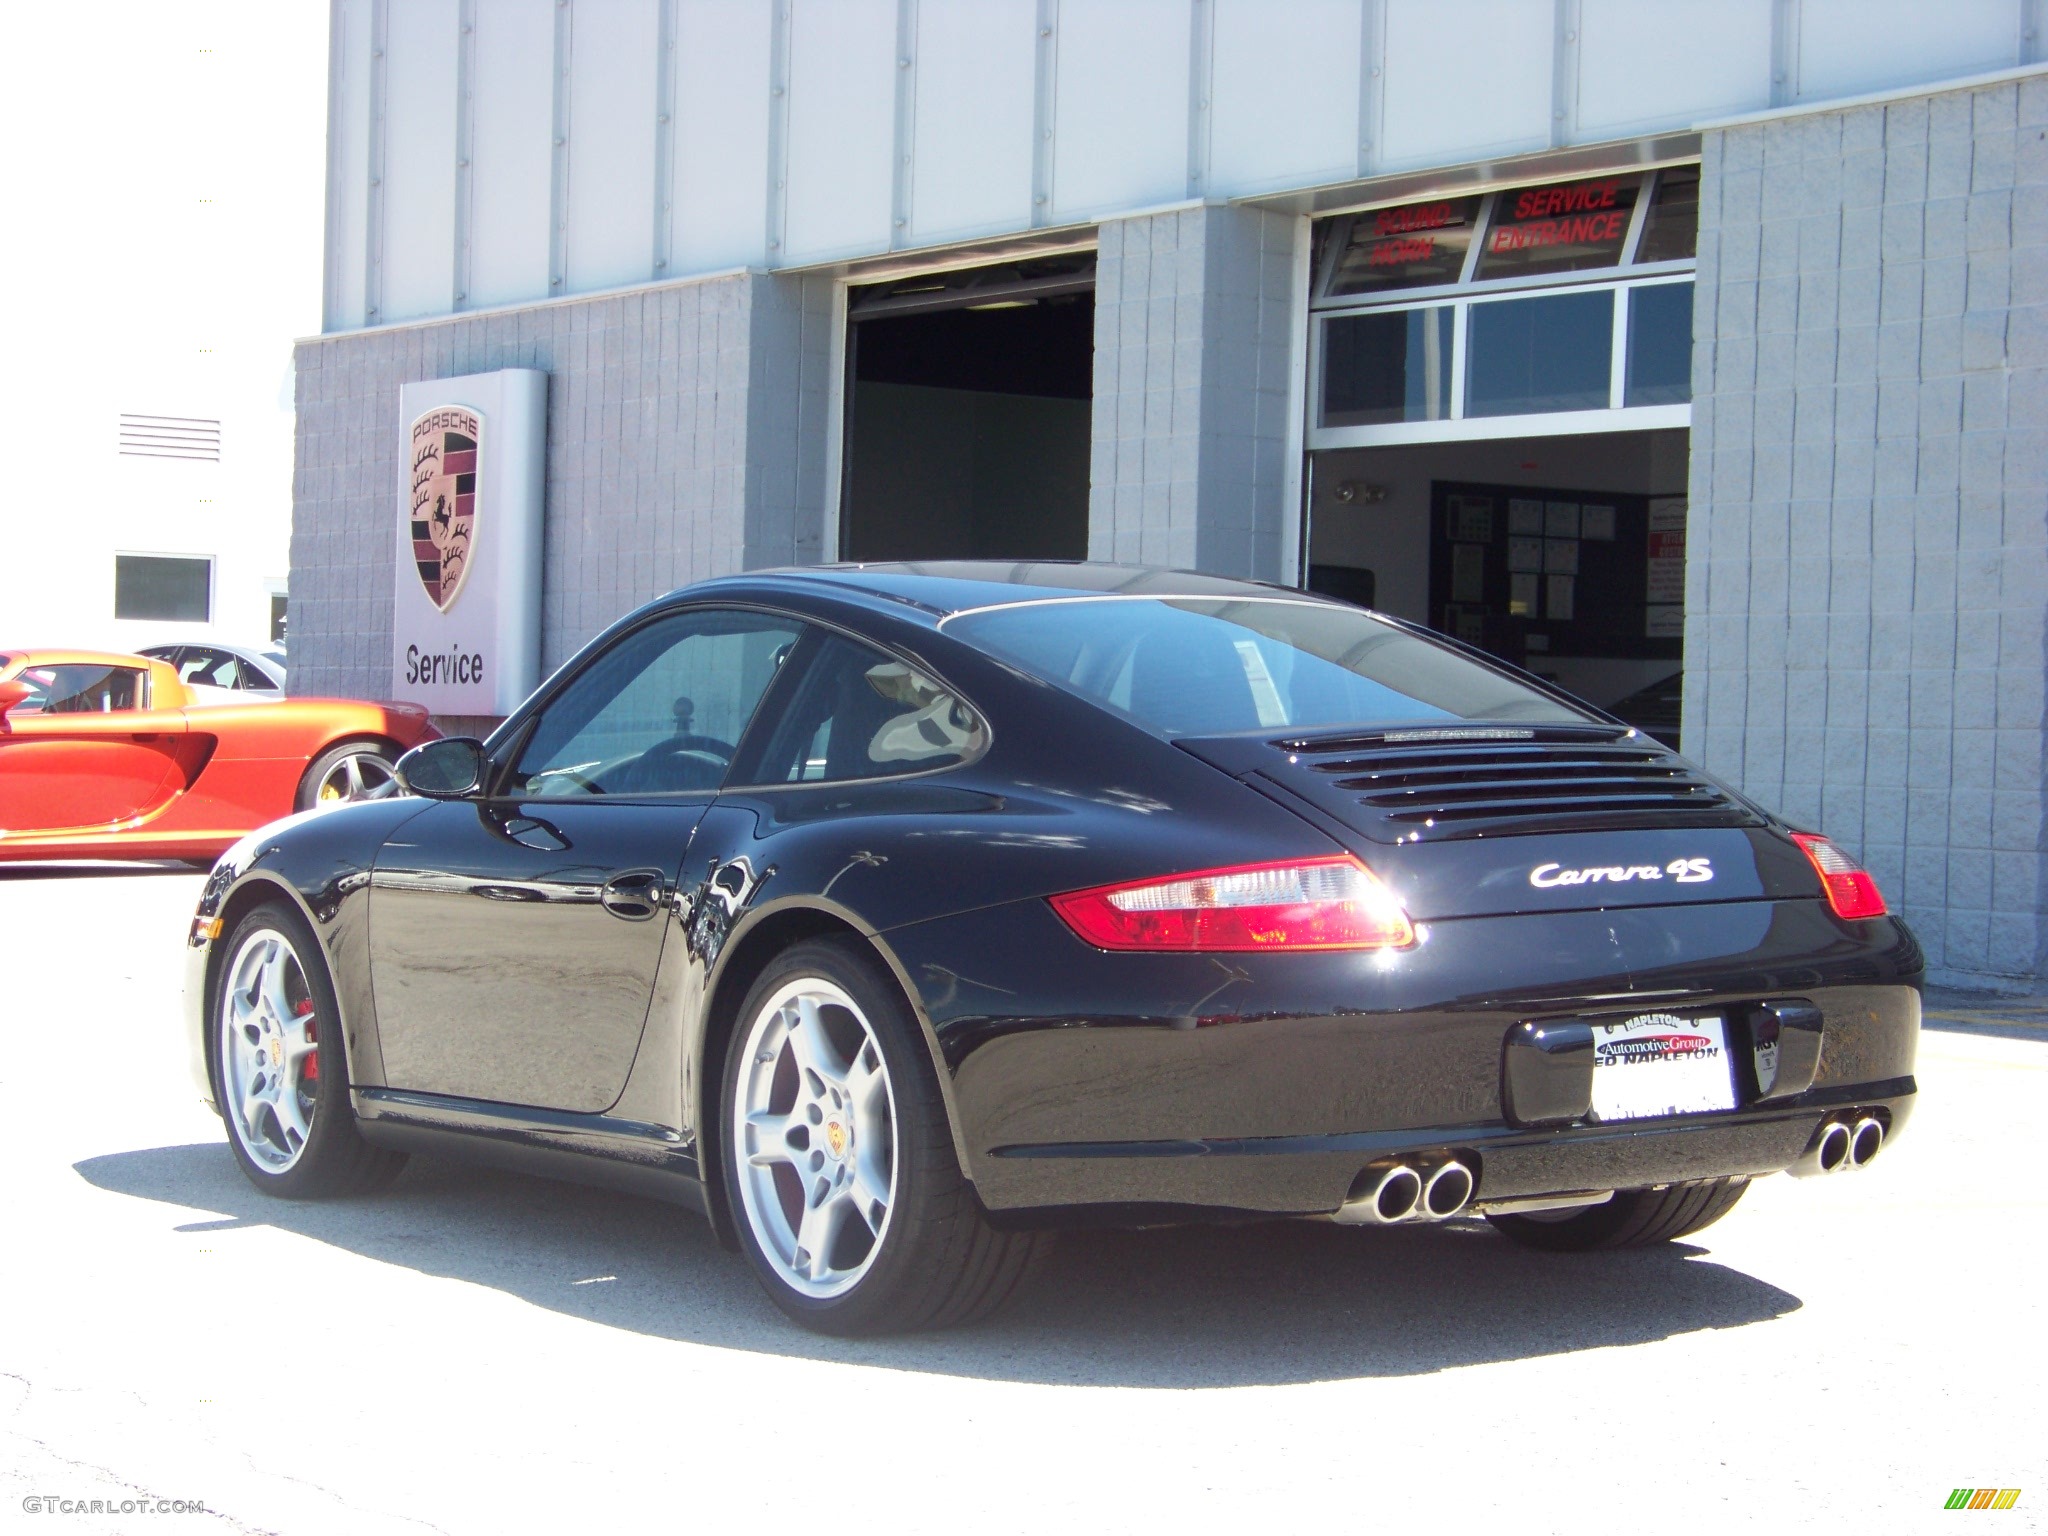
pixel 170 437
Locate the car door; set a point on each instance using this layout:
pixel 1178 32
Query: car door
pixel 514 939
pixel 85 751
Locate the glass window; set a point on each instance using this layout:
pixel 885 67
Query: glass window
pixel 214 669
pixel 858 713
pixel 1659 345
pixel 1553 353
pixel 1415 246
pixel 1565 227
pixel 1671 226
pixel 1387 365
pixel 661 711
pixel 82 689
pixel 1196 666
pixel 162 587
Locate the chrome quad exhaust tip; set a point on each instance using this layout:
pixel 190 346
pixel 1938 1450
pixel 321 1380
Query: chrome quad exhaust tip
pixel 1384 1194
pixel 1447 1191
pixel 1394 1191
pixel 1843 1143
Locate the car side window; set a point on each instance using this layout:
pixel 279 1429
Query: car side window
pixel 211 668
pixel 38 680
pixel 659 712
pixel 79 689
pixel 859 713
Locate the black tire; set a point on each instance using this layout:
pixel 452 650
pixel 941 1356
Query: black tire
pixel 333 1160
pixel 937 1262
pixel 1634 1218
pixel 370 758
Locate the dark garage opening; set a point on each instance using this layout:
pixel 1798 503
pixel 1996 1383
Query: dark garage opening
pixel 967 407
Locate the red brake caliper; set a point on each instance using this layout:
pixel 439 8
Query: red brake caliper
pixel 310 1072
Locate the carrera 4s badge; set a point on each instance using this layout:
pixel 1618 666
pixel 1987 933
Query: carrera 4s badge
pixel 1684 871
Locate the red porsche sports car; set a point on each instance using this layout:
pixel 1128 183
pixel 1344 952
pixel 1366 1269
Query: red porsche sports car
pixel 105 756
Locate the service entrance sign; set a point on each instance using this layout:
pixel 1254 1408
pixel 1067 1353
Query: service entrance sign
pixel 465 632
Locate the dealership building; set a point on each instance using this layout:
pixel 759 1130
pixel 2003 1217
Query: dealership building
pixel 1684 351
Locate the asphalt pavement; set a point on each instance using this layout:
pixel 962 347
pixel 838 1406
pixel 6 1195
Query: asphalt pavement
pixel 478 1352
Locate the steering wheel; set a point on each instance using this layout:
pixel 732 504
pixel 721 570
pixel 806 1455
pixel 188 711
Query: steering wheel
pixel 562 781
pixel 654 766
pixel 673 746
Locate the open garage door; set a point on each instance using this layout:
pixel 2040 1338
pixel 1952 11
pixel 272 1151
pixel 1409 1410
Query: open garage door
pixel 1565 555
pixel 967 414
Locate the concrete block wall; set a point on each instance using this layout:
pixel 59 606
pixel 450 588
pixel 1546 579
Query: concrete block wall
pixel 685 441
pixel 1868 549
pixel 1194 324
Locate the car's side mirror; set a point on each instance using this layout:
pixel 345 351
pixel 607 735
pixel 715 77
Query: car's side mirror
pixel 12 692
pixel 452 768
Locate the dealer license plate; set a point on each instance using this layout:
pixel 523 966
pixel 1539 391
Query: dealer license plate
pixel 1660 1064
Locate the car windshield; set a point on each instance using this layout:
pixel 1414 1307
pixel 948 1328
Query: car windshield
pixel 1199 665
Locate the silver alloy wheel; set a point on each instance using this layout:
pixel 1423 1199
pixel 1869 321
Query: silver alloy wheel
pixel 359 776
pixel 813 1123
pixel 267 1035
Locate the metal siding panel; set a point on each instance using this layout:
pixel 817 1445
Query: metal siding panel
pixel 508 244
pixel 1122 105
pixel 1850 46
pixel 419 160
pixel 613 68
pixel 1286 94
pixel 348 165
pixel 721 191
pixel 842 112
pixel 971 151
pixel 1646 64
pixel 1466 78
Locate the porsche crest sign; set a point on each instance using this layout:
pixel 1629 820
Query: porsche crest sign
pixel 444 459
pixel 465 612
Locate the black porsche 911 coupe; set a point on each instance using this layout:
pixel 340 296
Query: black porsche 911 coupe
pixel 895 915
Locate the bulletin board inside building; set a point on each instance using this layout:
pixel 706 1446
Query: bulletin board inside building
pixel 1532 572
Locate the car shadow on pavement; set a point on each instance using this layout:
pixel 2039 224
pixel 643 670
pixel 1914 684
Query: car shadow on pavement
pixel 1187 1307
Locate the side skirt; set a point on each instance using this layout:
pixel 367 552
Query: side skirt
pixel 625 1155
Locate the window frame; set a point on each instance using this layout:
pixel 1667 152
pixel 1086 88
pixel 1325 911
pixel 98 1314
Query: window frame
pixel 509 741
pixel 781 693
pixel 211 562
pixel 1484 659
pixel 145 681
pixel 1469 290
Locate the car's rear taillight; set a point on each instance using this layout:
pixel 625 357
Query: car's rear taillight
pixel 1332 903
pixel 1851 891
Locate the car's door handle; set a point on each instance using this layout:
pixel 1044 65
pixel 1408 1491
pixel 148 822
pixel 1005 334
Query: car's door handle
pixel 635 895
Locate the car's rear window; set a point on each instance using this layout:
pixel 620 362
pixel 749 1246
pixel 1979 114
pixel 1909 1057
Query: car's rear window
pixel 1200 666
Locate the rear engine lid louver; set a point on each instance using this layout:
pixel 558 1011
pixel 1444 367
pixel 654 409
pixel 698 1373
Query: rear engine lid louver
pixel 1434 784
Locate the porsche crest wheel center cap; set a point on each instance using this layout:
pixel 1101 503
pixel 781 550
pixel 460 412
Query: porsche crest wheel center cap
pixel 836 1138
pixel 276 1051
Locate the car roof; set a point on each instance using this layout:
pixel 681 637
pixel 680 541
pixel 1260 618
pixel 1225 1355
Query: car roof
pixel 947 587
pixel 233 647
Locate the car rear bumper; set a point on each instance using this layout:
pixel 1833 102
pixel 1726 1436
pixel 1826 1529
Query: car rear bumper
pixel 1313 1175
pixel 1267 1083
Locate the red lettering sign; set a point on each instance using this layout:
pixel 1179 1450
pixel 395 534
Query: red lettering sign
pixel 1399 221
pixel 1586 229
pixel 1543 202
pixel 1392 253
